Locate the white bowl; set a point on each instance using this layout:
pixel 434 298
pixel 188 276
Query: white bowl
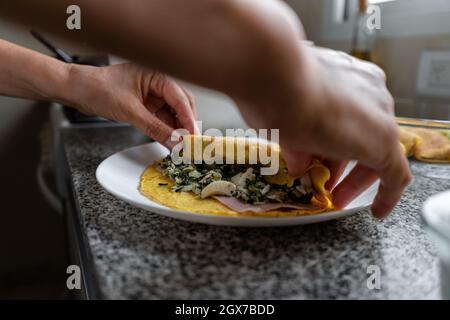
pixel 436 215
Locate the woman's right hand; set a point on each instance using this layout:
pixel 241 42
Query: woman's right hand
pixel 342 111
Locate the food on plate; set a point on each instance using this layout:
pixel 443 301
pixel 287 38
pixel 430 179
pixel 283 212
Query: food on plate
pixel 238 188
pixel 428 145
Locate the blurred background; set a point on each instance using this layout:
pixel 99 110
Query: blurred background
pixel 412 46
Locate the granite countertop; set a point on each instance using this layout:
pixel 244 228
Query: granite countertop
pixel 138 254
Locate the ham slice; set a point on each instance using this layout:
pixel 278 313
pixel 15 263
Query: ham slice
pixel 240 206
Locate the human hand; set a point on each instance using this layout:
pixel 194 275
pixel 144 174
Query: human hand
pixel 341 111
pixel 147 99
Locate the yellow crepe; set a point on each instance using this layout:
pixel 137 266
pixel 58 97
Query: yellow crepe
pixel 157 187
pixel 239 143
pixel 426 144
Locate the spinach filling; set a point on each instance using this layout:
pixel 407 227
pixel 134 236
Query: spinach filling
pixel 251 187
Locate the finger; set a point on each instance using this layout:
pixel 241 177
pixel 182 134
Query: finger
pixel 178 124
pixel 358 180
pixel 175 97
pixel 193 105
pixel 155 128
pixel 179 102
pixel 162 111
pixel 297 163
pixel 154 104
pixel 394 179
pixel 392 167
pixel 191 99
pixel 166 116
pixel 336 168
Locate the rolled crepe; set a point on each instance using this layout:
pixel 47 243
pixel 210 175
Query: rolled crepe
pixel 427 145
pixel 157 186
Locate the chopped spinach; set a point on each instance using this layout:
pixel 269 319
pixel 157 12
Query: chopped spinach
pixel 251 186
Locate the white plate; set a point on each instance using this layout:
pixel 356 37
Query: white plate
pixel 120 175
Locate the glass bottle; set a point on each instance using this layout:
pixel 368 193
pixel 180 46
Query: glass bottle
pixel 363 36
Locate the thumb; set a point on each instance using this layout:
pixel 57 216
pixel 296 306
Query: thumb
pixel 297 162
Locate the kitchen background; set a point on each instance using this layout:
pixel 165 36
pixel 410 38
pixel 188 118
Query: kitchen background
pixel 32 241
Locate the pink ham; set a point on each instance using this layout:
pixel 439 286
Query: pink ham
pixel 240 206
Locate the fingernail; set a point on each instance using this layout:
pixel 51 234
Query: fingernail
pixel 173 140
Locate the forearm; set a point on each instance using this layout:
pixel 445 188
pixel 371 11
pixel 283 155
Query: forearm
pixel 27 74
pixel 232 46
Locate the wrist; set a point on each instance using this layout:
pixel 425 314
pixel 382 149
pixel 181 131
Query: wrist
pixel 76 85
pixel 61 90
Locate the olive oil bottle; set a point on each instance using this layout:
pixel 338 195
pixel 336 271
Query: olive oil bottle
pixel 363 37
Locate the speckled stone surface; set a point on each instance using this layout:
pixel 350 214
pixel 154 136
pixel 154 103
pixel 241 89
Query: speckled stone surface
pixel 138 254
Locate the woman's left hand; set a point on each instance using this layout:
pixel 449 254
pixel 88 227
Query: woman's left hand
pixel 149 100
